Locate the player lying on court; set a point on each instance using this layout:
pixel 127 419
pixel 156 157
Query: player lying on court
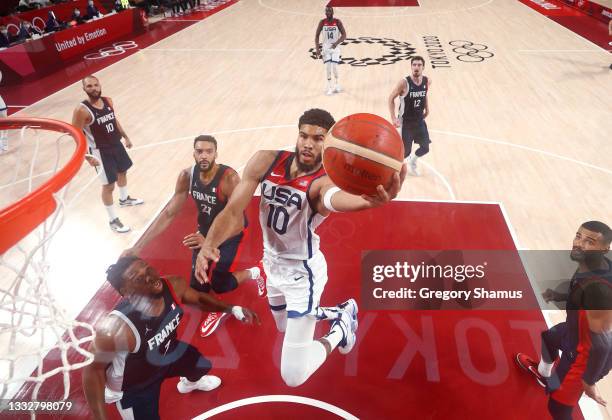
pixel 136 346
pixel 210 185
pixel 296 196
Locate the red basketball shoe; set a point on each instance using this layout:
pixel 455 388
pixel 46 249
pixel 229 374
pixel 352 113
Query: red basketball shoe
pixel 530 365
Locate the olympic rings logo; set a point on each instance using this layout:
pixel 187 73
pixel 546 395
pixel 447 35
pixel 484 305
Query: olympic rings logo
pixel 470 52
pixel 118 48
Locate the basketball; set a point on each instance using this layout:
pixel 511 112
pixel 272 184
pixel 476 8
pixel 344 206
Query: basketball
pixel 362 151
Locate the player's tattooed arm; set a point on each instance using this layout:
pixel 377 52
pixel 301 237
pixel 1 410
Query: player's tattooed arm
pixel 165 218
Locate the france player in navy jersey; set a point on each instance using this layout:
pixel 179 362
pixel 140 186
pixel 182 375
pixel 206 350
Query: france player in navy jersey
pixel 210 185
pixel 136 346
pixel 585 338
pixel 413 109
pixel 96 117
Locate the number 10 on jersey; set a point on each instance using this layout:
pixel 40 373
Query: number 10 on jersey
pixel 278 219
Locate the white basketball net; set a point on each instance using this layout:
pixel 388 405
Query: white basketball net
pixel 31 322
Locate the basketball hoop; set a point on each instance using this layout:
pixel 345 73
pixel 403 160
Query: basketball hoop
pixel 31 322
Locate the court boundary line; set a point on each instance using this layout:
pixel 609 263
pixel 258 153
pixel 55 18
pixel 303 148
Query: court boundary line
pixel 276 398
pixel 486 3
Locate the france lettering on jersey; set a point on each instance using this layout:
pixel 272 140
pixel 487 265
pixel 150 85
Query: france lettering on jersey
pixel 412 104
pixel 156 340
pixel 287 219
pixel 331 32
pixel 102 131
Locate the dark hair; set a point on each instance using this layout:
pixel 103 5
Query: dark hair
pixel 318 117
pixel 207 138
pixel 114 273
pixel 417 58
pixel 599 227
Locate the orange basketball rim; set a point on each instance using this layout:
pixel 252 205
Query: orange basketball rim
pixel 24 215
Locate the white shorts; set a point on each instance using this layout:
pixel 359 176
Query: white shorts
pixel 331 54
pixel 300 282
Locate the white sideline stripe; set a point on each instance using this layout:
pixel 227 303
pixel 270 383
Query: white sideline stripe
pixel 214 49
pixel 336 143
pixel 563 51
pixel 392 15
pixel 442 178
pixel 277 398
pixel 520 146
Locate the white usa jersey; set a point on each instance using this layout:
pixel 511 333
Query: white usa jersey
pixel 288 221
pixel 331 32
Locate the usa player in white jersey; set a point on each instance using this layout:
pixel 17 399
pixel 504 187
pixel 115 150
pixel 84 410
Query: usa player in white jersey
pixel 333 35
pixel 296 196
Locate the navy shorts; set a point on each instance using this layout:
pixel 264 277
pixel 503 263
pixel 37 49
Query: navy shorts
pixel 414 131
pixel 143 403
pixel 114 160
pixel 221 278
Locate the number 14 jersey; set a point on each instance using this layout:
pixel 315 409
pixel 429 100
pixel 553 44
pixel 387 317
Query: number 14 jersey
pixel 288 220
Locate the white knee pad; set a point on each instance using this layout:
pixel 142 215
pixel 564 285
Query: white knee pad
pixel 301 356
pixel 278 307
pixel 335 69
pixel 328 68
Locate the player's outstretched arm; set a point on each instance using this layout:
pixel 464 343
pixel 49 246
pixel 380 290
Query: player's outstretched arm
pixel 206 302
pixel 397 91
pixel 161 223
pixel 230 221
pixel 112 337
pixel 329 198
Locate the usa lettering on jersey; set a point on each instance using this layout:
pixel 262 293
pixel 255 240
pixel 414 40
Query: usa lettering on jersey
pixel 283 196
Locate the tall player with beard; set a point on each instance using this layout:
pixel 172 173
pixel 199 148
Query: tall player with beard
pixel 585 338
pixel 334 34
pixel 210 184
pixel 296 196
pixel 96 117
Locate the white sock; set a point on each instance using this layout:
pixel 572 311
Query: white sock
pixel 334 336
pixel 545 369
pixel 111 212
pixel 123 193
pixel 255 272
pixel 327 312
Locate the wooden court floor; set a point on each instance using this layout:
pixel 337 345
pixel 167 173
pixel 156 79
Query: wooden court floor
pixel 527 125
